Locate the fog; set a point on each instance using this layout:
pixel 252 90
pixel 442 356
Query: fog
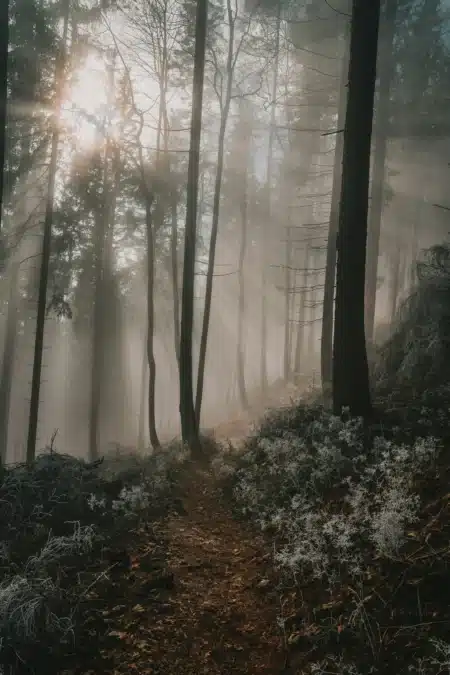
pixel 287 203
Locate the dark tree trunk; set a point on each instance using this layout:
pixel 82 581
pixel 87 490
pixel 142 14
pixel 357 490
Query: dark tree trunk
pixel 240 360
pixel 174 270
pixel 265 262
pixel 189 426
pixel 97 326
pixel 103 242
pixel 312 281
pixel 154 440
pixel 326 347
pixel 381 131
pixel 142 397
pixel 351 387
pixel 287 306
pixel 225 109
pixel 210 271
pixel 46 249
pixel 301 311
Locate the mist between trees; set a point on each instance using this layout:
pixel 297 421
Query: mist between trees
pixel 175 177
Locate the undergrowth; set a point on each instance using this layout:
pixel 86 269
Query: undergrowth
pixel 358 524
pixel 66 526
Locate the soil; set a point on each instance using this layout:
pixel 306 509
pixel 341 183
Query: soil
pixel 210 608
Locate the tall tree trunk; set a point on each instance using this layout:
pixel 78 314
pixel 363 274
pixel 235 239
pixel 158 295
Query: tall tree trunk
pixel 9 350
pixel 98 320
pixel 287 306
pixel 154 440
pixel 103 242
pixel 225 109
pixel 240 346
pixel 189 426
pixel 351 387
pixel 4 43
pixel 174 270
pixel 326 347
pixel 142 397
pixel 312 280
pixel 264 378
pixel 301 310
pixel 46 247
pixel 381 132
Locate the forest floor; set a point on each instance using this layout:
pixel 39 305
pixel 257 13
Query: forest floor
pixel 214 608
pixel 186 583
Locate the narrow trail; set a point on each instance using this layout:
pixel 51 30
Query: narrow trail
pixel 222 618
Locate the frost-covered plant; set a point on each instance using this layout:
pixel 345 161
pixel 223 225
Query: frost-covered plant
pixel 331 500
pixel 25 609
pixel 95 502
pixel 333 666
pixel 57 517
pixel 58 548
pixel 437 663
pixel 131 500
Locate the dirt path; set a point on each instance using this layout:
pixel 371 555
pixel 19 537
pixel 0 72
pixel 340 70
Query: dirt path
pixel 222 618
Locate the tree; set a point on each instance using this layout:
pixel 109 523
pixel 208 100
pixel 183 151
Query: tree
pixel 189 423
pixel 103 239
pixel 263 365
pixel 224 93
pixel 31 49
pixel 243 139
pixel 46 245
pixel 351 387
pixel 326 347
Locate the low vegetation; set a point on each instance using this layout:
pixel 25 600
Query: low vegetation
pixel 68 532
pixel 358 522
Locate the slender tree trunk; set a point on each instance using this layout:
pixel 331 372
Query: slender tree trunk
pixel 215 217
pixel 154 440
pixel 312 310
pixel 9 351
pixel 46 249
pixel 142 397
pixel 189 426
pixel 326 347
pixel 264 378
pixel 4 43
pixel 301 310
pixel 351 387
pixel 240 359
pixel 103 243
pixel 174 269
pixel 381 132
pixel 97 328
pixel 287 306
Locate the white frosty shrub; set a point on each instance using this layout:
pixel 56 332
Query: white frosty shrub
pixel 24 608
pixel 131 500
pixel 56 548
pixel 290 484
